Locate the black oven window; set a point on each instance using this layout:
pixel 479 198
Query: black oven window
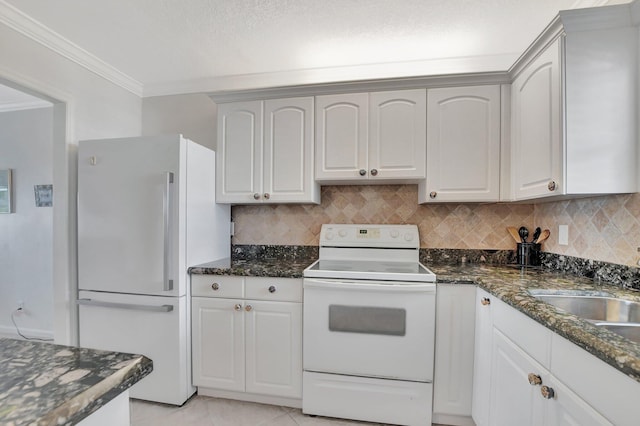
pixel 367 320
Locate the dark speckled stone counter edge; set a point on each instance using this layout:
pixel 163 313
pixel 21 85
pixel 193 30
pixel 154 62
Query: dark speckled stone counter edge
pixel 512 284
pixel 48 384
pixel 495 272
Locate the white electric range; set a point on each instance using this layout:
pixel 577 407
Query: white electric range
pixel 369 326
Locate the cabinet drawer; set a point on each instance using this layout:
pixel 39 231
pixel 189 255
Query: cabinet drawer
pixel 217 286
pixel 281 289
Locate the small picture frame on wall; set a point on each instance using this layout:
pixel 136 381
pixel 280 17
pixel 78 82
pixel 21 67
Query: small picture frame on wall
pixel 6 191
pixel 44 195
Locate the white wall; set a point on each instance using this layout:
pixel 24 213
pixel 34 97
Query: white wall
pixel 193 115
pixel 26 236
pixel 86 106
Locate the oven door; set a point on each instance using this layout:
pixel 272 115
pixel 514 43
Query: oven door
pixel 369 328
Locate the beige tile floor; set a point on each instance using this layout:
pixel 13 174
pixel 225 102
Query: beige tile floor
pixel 205 411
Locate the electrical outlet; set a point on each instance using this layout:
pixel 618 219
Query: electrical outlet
pixel 563 235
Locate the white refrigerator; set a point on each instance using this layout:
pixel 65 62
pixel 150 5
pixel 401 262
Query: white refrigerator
pixel 146 212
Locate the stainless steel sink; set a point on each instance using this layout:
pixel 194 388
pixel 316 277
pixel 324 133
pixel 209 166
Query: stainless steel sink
pixel 595 308
pixel 616 315
pixel 630 331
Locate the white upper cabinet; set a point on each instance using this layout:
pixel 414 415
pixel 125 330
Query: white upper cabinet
pixel 463 145
pixel 397 134
pixel 341 136
pixel 265 152
pixel 536 125
pixel 371 137
pixel 239 151
pixel 574 107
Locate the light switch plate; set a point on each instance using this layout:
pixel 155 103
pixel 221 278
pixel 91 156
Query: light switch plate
pixel 563 235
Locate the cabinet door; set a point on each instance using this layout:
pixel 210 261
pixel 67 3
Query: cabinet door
pixel 453 374
pixel 567 408
pixel 274 348
pixel 218 343
pixel 341 136
pixel 239 152
pixel 482 359
pixel 397 134
pixel 537 153
pixel 463 144
pixel 288 151
pixel 514 401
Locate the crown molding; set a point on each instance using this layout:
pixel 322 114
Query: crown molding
pixel 597 18
pixel 348 78
pixel 29 27
pixel 580 4
pixel 20 106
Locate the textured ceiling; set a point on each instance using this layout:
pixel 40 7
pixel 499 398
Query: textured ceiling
pixel 165 43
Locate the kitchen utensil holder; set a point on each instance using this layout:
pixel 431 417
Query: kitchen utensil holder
pixel 528 254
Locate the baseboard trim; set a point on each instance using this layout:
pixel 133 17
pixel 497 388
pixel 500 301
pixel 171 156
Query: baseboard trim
pixel 452 419
pixel 251 397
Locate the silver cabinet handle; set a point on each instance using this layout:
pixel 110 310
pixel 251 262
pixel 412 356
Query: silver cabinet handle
pixel 362 172
pixel 167 202
pixel 374 172
pixel 256 196
pixel 272 289
pixel 129 306
pixel 551 186
pixel 215 286
pixel 266 196
pixel 485 301
pixel 248 308
pixel 237 307
pixel 433 194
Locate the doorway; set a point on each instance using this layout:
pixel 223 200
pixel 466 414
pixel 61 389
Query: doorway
pixel 36 244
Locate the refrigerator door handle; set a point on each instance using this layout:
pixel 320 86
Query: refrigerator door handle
pixel 167 204
pixel 133 307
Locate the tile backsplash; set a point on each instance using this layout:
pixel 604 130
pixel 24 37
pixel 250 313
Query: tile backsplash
pixel 457 226
pixel 600 228
pixel 603 228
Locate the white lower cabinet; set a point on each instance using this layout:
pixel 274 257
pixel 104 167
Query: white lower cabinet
pixel 567 408
pixel 482 359
pixel 244 346
pixel 524 374
pixel 514 401
pixel 453 372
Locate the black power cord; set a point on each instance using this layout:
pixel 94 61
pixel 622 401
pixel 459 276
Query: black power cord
pixel 13 320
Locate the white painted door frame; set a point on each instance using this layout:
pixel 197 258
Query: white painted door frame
pixel 65 283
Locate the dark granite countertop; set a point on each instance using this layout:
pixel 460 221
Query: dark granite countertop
pixel 510 284
pixel 47 384
pixel 266 267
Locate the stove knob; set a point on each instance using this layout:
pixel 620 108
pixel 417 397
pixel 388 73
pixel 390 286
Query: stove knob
pixel 408 237
pixel 394 233
pixel 329 235
pixel 342 233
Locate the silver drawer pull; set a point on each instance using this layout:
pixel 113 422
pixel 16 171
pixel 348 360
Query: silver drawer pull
pixel 215 286
pixel 129 306
pixel 272 289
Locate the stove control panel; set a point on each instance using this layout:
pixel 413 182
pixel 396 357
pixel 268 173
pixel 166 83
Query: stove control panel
pixel 352 235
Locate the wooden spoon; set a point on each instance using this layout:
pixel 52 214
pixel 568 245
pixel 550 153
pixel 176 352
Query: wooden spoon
pixel 545 234
pixel 514 233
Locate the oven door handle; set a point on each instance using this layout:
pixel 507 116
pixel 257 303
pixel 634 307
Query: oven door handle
pixel 380 286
